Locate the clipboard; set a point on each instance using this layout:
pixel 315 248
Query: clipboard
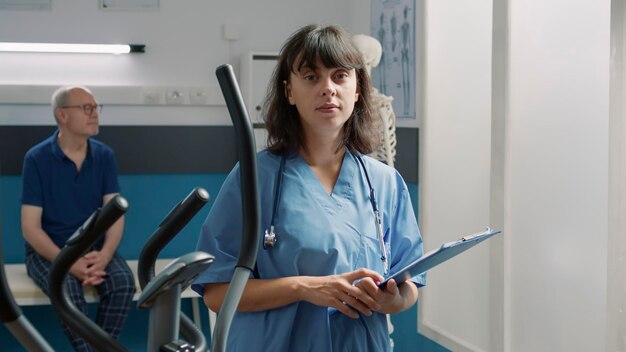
pixel 435 257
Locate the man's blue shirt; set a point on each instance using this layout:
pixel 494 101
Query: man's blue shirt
pixel 67 196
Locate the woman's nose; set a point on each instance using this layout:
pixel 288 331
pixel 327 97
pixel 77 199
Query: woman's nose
pixel 328 88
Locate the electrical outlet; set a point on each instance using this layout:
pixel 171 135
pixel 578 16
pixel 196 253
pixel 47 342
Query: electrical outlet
pixel 199 95
pixel 231 32
pixel 175 95
pixel 153 95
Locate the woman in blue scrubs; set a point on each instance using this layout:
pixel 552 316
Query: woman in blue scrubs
pixel 316 288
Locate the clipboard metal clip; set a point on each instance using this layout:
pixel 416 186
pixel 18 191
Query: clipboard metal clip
pixel 472 236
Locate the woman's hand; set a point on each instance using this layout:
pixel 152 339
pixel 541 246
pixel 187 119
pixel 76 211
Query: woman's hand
pixel 392 298
pixel 339 291
pixel 350 293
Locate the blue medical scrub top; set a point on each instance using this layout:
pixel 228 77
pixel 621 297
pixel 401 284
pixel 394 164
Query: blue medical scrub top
pixel 67 196
pixel 318 234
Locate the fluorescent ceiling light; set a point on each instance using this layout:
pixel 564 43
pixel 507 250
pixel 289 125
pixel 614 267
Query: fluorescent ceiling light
pixel 72 48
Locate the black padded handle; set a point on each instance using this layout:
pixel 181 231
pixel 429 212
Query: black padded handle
pixel 250 203
pixel 246 150
pixel 82 240
pixel 171 225
pixel 9 310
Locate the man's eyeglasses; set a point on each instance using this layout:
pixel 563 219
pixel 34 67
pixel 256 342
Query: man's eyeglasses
pixel 87 108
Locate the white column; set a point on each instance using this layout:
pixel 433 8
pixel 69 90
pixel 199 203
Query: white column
pixel 557 175
pixel 535 123
pixel 616 317
pixel 455 170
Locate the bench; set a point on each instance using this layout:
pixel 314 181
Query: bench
pixel 27 293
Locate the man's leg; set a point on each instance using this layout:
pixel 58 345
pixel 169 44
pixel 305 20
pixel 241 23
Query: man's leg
pixel 38 269
pixel 116 296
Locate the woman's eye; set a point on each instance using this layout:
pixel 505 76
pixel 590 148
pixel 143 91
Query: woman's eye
pixel 309 77
pixel 342 75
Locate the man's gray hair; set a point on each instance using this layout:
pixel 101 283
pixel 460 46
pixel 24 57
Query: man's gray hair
pixel 61 96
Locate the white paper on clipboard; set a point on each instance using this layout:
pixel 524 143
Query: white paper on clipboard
pixel 435 257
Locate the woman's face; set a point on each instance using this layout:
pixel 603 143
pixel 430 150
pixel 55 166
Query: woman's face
pixel 324 97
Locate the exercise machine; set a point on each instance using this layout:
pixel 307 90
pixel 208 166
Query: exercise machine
pixel 13 318
pixel 88 234
pixel 76 246
pixel 161 294
pixel 246 151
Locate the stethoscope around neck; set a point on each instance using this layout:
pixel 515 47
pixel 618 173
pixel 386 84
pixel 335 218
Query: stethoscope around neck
pixel 270 239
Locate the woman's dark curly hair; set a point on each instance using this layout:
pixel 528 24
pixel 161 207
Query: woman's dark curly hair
pixel 332 47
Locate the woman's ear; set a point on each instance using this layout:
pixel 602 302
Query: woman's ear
pixel 288 93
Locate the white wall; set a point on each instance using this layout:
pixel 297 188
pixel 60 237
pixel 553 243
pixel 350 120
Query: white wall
pixel 184 45
pixel 455 170
pixel 616 317
pixel 557 174
pixel 547 285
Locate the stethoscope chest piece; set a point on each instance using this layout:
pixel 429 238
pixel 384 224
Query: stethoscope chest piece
pixel 269 239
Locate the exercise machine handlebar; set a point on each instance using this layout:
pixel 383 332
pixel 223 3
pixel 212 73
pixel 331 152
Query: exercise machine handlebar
pixel 171 225
pixel 76 246
pixel 246 150
pixel 11 315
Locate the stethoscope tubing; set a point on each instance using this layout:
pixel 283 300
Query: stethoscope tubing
pixel 270 239
pixel 378 218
